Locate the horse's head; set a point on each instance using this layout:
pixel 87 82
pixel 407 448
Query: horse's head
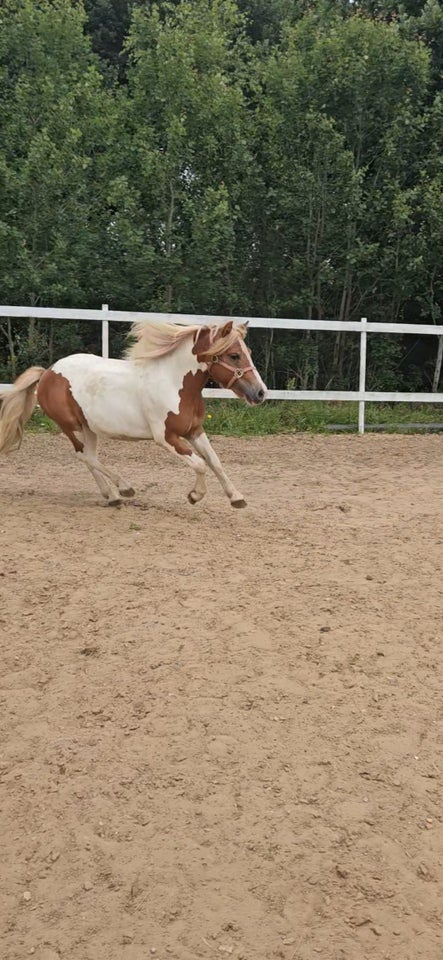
pixel 228 361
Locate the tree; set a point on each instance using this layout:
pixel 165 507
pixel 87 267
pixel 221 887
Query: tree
pixel 370 85
pixel 55 118
pixel 187 123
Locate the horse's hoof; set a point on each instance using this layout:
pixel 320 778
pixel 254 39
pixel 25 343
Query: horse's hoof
pixel 193 498
pixel 114 503
pixel 238 504
pixel 129 492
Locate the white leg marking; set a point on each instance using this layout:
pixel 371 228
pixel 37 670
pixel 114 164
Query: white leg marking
pixel 196 463
pixel 202 445
pixel 88 457
pixel 113 480
pixel 107 489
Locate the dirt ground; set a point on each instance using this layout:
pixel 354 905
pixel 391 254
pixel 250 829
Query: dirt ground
pixel 222 730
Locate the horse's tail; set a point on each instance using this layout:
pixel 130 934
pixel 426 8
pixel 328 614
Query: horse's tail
pixel 17 408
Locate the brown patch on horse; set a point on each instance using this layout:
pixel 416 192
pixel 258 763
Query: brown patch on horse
pixel 206 337
pixel 188 421
pixel 202 345
pixel 55 398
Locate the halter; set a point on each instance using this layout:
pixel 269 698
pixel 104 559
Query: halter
pixel 237 372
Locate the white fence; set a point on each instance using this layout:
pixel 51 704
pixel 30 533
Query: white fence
pixel 105 316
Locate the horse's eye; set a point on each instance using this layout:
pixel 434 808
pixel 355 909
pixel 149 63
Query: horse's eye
pixel 234 356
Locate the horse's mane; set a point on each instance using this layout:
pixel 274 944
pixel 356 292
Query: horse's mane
pixel 155 339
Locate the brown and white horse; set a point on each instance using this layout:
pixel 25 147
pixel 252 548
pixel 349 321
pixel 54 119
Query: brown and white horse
pixel 155 393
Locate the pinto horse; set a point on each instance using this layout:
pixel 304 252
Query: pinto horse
pixel 154 393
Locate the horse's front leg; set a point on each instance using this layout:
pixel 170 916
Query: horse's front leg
pixel 181 448
pixel 201 444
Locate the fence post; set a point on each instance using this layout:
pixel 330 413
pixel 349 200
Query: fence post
pixel 362 380
pixel 105 333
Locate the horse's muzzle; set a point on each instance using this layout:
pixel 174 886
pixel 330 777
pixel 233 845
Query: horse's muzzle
pixel 255 397
pixel 260 396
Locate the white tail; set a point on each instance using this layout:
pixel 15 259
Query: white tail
pixel 17 408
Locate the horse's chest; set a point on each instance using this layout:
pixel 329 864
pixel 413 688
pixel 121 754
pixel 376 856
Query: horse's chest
pixel 188 415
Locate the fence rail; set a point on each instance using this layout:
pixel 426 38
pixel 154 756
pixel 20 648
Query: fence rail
pixel 363 327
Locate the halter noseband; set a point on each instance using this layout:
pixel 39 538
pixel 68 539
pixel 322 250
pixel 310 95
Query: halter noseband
pixel 238 373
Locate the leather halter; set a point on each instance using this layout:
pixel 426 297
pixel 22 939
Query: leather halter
pixel 237 372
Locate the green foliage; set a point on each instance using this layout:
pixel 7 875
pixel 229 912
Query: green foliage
pixel 232 418
pixel 108 23
pixel 278 158
pixel 40 423
pixel 55 121
pixel 187 122
pixel 236 419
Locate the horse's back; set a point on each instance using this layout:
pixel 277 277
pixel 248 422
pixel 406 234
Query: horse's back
pixel 86 363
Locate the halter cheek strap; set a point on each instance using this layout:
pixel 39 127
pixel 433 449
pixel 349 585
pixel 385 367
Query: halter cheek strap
pixel 237 372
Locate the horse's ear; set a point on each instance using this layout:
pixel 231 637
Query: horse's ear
pixel 225 331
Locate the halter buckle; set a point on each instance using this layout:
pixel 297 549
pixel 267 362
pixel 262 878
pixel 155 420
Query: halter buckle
pixel 238 374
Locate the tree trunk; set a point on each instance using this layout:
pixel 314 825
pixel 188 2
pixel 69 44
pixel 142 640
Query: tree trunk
pixel 438 363
pixel 269 374
pixel 11 350
pixel 169 292
pixel 51 344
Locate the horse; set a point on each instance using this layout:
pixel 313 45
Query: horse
pixel 154 393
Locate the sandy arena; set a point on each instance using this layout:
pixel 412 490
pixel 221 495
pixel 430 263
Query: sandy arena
pixel 223 730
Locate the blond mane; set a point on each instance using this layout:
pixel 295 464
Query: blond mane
pixel 154 339
pixel 221 344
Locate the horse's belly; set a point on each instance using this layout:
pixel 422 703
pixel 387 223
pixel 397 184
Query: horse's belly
pixel 131 432
pixel 112 416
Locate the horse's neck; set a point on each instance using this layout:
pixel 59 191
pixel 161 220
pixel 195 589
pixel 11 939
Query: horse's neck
pixel 174 366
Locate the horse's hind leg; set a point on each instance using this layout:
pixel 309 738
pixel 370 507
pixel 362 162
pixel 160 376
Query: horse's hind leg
pixel 115 483
pixel 122 485
pixel 109 492
pixel 55 398
pixel 88 455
